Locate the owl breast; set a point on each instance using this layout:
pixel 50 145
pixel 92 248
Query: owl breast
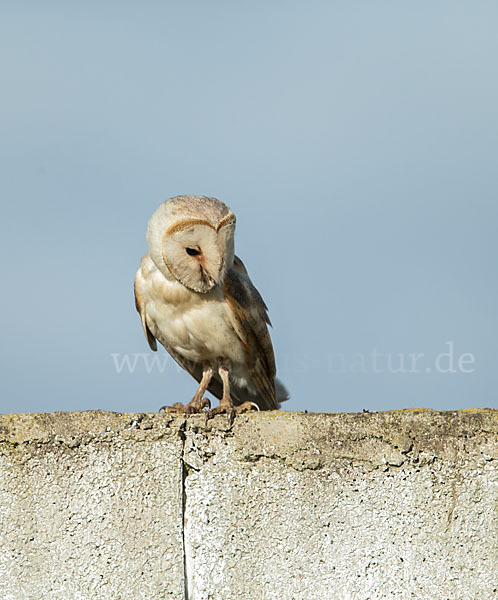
pixel 198 326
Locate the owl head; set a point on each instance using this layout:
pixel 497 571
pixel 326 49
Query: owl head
pixel 191 241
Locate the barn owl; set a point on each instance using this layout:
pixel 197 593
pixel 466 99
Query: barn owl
pixel 196 298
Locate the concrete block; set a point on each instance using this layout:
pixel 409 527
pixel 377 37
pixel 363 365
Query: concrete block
pixel 284 506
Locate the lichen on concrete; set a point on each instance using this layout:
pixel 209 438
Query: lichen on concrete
pixel 400 504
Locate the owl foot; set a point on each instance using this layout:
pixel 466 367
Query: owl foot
pixel 230 410
pixel 194 406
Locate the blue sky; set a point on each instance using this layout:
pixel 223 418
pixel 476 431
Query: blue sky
pixel 356 142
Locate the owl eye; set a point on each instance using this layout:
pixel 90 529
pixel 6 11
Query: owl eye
pixel 192 251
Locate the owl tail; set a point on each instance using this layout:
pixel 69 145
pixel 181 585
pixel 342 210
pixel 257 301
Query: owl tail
pixel 243 393
pixel 281 392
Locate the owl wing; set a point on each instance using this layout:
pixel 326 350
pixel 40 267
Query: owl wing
pixel 140 305
pixel 251 325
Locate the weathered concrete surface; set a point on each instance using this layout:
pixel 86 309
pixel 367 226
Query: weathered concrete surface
pixel 90 507
pixel 285 506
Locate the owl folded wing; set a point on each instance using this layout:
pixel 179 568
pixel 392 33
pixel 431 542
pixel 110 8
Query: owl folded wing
pixel 140 306
pixel 251 325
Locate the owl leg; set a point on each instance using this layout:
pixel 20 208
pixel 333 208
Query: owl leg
pixel 198 403
pixel 226 404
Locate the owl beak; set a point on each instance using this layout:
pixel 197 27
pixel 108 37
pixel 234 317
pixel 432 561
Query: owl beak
pixel 214 278
pixel 220 276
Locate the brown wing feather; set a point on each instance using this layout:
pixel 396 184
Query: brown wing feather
pixel 251 315
pixel 140 304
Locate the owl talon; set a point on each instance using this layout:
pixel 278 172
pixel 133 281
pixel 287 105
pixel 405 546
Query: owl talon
pixel 197 407
pixel 176 407
pixel 193 407
pixel 246 407
pixel 230 410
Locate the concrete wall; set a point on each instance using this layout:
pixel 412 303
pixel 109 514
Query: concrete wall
pixel 283 506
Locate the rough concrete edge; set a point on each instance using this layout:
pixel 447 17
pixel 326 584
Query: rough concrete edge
pixel 370 440
pixel 72 428
pixel 65 427
pixel 299 440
